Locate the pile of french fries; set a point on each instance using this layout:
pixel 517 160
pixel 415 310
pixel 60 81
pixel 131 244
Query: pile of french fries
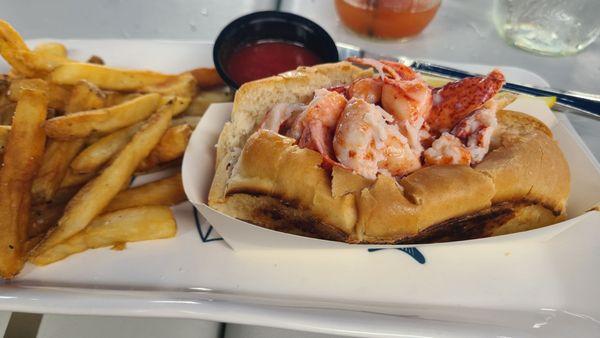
pixel 72 136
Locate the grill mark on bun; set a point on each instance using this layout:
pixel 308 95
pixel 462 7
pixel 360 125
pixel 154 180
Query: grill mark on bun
pixel 478 225
pixel 284 219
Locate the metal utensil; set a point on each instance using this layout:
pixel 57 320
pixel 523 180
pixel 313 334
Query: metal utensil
pixel 576 102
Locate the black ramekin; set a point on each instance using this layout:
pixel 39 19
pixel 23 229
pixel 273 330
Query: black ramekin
pixel 271 26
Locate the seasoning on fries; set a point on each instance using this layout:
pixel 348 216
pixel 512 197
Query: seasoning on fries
pixel 72 135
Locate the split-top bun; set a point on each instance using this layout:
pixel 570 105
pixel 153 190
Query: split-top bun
pixel 266 179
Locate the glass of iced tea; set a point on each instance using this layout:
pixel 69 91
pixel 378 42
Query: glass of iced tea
pixel 387 19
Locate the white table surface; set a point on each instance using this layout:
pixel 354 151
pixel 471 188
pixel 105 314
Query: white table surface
pixel 461 32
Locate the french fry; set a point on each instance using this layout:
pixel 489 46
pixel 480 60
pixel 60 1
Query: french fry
pixel 54 167
pixel 100 152
pixel 207 77
pixel 57 95
pixel 53 49
pixel 97 194
pixel 179 103
pixel 115 98
pixel 85 96
pixel 73 179
pixel 182 85
pixel 171 146
pixel 22 158
pixel 204 99
pixel 115 229
pixel 11 46
pixel 17 86
pixel 59 154
pixel 42 63
pixel 12 37
pixel 168 191
pixel 104 120
pixel 107 77
pixel 22 59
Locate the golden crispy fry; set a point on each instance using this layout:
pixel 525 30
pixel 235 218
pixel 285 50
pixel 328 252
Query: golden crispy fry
pixel 182 85
pixel 22 59
pixel 97 194
pixel 105 120
pixel 207 77
pixel 21 160
pixel 17 86
pixel 13 38
pixel 11 46
pixel 85 96
pixel 57 95
pixel 107 77
pixel 204 99
pixel 41 63
pixel 168 191
pixel 59 154
pixel 101 151
pixel 115 229
pixel 171 146
pixel 54 167
pixel 115 98
pixel 54 49
pixel 179 103
pixel 73 179
pixel 191 121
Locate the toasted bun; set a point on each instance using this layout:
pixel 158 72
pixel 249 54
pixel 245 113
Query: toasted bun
pixel 266 179
pixel 254 99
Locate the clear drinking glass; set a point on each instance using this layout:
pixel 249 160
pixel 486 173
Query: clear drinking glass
pixel 549 27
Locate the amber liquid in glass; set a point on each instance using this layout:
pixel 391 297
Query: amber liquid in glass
pixel 385 19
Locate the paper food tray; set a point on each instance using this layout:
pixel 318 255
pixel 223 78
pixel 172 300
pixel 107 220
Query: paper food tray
pixel 199 163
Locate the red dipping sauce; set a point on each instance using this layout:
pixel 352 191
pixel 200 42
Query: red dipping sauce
pixel 264 59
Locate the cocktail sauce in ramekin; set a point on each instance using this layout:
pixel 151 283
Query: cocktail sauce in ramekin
pixel 266 58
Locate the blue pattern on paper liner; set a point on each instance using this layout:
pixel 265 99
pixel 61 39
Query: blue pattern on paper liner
pixel 411 251
pixel 204 235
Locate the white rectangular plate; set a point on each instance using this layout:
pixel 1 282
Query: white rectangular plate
pixel 543 289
